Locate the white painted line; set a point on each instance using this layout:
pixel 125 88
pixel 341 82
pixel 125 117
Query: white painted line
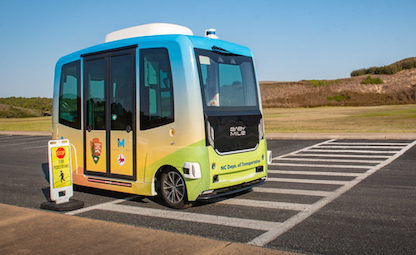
pixel 193 217
pixel 293 192
pixel 304 149
pixel 290 223
pixel 387 144
pixel 313 173
pixel 307 181
pixel 318 165
pixel 360 147
pixel 265 204
pixel 99 206
pixel 332 160
pixel 340 156
pixel 355 151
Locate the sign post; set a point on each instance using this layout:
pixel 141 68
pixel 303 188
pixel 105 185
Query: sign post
pixel 60 177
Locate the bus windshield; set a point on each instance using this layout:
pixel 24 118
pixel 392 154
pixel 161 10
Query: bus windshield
pixel 227 80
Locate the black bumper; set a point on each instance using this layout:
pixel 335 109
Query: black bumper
pixel 232 189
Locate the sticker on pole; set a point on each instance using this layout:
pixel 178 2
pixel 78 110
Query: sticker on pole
pixel 60 174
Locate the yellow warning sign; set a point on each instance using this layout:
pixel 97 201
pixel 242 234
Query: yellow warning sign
pixel 61 167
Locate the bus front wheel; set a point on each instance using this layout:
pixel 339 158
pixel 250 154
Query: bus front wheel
pixel 173 189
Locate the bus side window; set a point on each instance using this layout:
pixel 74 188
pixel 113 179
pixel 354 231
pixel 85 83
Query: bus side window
pixel 69 95
pixel 156 91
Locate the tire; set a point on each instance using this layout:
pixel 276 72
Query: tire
pixel 173 189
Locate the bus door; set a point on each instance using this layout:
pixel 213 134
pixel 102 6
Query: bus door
pixel 110 114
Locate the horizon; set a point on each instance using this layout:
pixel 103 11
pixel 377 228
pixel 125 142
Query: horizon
pixel 291 41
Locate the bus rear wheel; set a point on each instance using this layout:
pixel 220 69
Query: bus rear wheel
pixel 173 189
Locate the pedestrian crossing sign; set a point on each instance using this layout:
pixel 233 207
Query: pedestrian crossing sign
pixel 60 174
pixel 60 166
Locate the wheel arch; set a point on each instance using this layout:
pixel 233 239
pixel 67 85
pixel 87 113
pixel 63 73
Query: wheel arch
pixel 157 177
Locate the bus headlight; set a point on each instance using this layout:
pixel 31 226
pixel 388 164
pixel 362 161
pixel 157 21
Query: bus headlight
pixel 261 128
pixel 191 170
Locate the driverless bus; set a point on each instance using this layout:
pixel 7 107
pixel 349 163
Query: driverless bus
pixel 156 110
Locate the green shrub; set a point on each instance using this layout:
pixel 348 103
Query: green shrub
pixel 39 103
pixel 337 98
pixel 407 63
pixel 371 80
pixel 316 83
pixel 14 112
pixel 358 72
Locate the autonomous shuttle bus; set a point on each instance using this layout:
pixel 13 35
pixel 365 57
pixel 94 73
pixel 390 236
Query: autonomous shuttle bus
pixel 156 110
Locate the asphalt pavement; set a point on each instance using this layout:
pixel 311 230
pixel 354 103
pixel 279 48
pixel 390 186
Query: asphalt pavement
pixel 30 231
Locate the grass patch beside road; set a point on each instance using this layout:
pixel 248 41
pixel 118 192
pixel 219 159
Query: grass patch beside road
pixel 26 124
pixel 378 119
pixel 388 119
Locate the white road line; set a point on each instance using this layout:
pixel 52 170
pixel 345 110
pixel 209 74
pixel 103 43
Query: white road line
pixel 313 173
pixel 99 206
pixel 304 149
pixel 349 143
pixel 290 223
pixel 340 156
pixel 194 217
pixel 319 165
pixel 360 147
pixel 331 182
pixel 265 204
pixel 293 192
pixel 331 160
pixel 355 151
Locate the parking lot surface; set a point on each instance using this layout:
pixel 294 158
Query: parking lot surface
pixel 324 196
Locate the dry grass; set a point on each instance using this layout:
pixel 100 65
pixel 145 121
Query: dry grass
pixel 342 119
pixel 401 118
pixel 396 89
pixel 26 124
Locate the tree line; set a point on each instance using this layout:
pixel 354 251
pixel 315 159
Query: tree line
pixel 404 64
pixel 38 103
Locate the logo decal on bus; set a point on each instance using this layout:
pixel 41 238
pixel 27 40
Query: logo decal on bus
pixel 96 146
pixel 121 159
pixel 238 131
pixel 120 143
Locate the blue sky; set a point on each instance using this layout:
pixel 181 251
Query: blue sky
pixel 291 39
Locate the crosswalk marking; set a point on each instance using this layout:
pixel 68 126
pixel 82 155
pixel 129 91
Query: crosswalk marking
pixel 340 156
pixel 319 165
pixel 265 204
pixel 313 173
pixel 404 144
pixel 193 217
pixel 356 151
pixel 292 192
pixel 361 147
pixel 302 215
pixel 332 160
pixel 330 182
pixel 326 156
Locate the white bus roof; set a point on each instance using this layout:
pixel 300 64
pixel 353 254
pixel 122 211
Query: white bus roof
pixel 147 30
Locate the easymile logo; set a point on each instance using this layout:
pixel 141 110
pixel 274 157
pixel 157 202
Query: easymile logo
pixel 238 131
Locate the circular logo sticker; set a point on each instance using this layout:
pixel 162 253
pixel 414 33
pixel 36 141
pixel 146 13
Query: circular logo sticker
pixel 121 159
